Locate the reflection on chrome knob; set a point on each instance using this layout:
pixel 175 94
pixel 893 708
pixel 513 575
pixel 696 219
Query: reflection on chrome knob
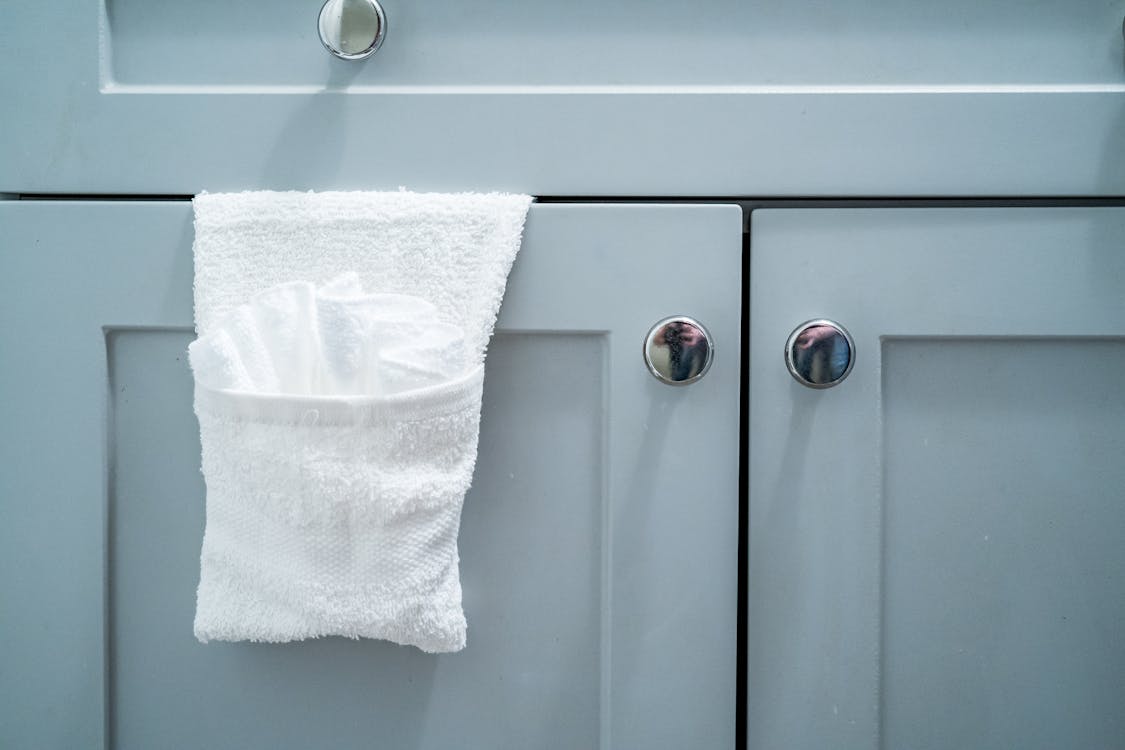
pixel 678 350
pixel 352 29
pixel 819 353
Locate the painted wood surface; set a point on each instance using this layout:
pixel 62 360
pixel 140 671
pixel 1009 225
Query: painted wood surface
pixel 723 98
pixel 598 543
pixel 936 544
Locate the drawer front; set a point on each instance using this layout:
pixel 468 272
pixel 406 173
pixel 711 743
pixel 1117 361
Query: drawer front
pixel 598 543
pixel 643 98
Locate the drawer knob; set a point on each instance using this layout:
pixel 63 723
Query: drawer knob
pixel 819 353
pixel 678 350
pixel 352 29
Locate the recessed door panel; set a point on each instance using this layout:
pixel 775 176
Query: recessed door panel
pixel 1004 523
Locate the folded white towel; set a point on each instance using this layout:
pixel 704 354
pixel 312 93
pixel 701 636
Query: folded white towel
pixel 338 371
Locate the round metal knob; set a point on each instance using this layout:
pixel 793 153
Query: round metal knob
pixel 352 29
pixel 678 350
pixel 819 353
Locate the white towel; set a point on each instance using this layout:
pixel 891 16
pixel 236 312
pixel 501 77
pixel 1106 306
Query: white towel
pixel 338 376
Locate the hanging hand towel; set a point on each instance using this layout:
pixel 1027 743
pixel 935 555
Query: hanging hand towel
pixel 338 376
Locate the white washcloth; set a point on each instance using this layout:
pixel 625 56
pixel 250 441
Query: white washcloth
pixel 338 373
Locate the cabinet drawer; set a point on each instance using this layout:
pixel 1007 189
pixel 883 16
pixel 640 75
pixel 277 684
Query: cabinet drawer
pixel 641 98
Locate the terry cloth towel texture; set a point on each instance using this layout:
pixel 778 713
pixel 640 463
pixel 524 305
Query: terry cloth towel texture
pixel 338 375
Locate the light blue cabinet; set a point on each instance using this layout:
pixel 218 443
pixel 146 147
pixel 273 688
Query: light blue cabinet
pixel 638 98
pixel 598 544
pixel 937 544
pixel 931 550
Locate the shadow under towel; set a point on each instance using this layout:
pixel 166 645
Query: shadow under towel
pixel 338 376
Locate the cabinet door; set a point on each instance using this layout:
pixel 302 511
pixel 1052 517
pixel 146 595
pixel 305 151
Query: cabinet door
pixel 598 542
pixel 937 544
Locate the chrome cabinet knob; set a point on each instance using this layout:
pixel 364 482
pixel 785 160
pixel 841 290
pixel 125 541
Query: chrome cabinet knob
pixel 352 29
pixel 678 350
pixel 819 353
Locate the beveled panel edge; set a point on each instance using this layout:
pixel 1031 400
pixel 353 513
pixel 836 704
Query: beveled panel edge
pixel 109 334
